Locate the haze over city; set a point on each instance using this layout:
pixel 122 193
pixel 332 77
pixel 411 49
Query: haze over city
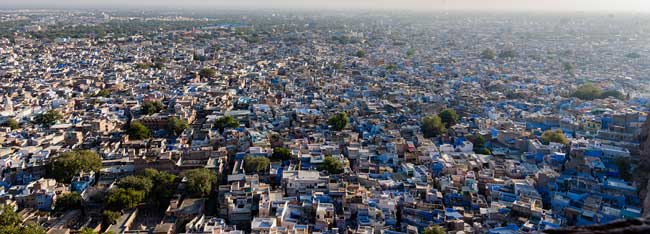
pixel 420 5
pixel 324 116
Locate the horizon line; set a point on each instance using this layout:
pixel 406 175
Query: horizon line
pixel 227 7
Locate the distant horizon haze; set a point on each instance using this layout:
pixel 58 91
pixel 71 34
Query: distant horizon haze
pixel 418 5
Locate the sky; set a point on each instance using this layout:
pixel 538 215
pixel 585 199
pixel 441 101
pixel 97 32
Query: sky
pixel 528 5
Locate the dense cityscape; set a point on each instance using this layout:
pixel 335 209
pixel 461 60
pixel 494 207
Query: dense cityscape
pixel 322 122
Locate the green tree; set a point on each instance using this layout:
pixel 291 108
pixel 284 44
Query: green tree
pixel 69 164
pixel 31 228
pixel 556 136
pixel 164 184
pixel 200 181
pixel 8 216
pixel 432 126
pixel 176 126
pixel 339 121
pixel 111 217
pixel 588 92
pixel 103 93
pixel 48 118
pixel 143 66
pixel 207 73
pixel 479 145
pixel 120 198
pixel 11 223
pixel 150 108
pixel 11 123
pixel 87 231
pixel 591 92
pixel 485 151
pixel 488 54
pixel 479 142
pixel 281 154
pixel 569 67
pixel 361 54
pixel 68 201
pixel 434 230
pixel 256 164
pixel 137 131
pixel 27 228
pixel 613 93
pixel 331 165
pixel 226 122
pixel 410 52
pixel 449 117
pixel 139 183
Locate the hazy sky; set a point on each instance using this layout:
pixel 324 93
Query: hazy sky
pixel 545 5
